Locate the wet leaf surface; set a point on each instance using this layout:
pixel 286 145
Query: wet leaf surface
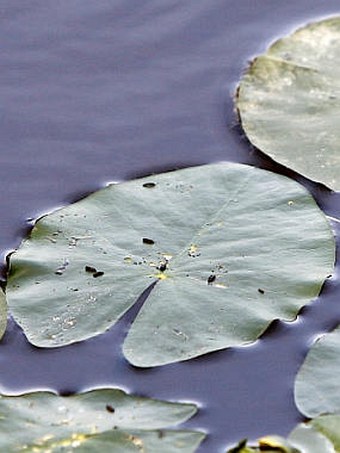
pixel 227 245
pixel 317 386
pixel 44 422
pixel 3 313
pixel 317 396
pixel 289 102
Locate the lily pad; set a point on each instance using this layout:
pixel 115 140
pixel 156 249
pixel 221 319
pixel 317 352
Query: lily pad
pixel 329 427
pixel 317 386
pixel 103 420
pixel 317 395
pixel 320 435
pixel 226 243
pixel 289 102
pixel 3 313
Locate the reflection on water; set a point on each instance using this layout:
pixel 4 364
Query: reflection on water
pixel 101 91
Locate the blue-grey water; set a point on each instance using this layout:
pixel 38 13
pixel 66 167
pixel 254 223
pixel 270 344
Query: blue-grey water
pixel 92 92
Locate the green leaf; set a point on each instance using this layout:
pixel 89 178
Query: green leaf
pixel 317 386
pixel 3 313
pixel 227 245
pixel 308 439
pixel 289 102
pixel 102 420
pixel 329 426
pixel 321 435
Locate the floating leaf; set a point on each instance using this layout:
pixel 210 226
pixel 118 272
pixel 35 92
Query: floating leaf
pixel 227 245
pixel 317 386
pixel 101 420
pixel 317 394
pixel 328 426
pixel 3 314
pixel 289 102
pixel 321 435
pixel 308 439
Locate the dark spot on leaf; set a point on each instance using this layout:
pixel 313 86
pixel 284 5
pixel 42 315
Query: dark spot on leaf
pixel 98 274
pixel 260 291
pixel 62 268
pixel 149 185
pixel 148 241
pixel 329 276
pixel 90 269
pixel 161 434
pixel 162 267
pixel 211 279
pixel 110 409
pixel 73 241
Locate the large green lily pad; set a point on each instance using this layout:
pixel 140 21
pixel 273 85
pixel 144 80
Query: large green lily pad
pixel 227 245
pixel 289 102
pixel 103 420
pixel 321 435
pixel 317 386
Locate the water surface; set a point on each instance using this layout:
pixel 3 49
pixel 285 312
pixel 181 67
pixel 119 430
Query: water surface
pixel 103 91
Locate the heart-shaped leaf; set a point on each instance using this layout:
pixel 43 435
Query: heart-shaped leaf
pixel 103 420
pixel 289 102
pixel 227 245
pixel 317 386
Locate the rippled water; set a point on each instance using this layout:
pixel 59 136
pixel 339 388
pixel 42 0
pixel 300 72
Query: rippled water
pixel 93 92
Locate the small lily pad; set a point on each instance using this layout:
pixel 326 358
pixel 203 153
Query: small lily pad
pixel 321 435
pixel 329 427
pixel 317 386
pixel 44 422
pixel 3 313
pixel 227 245
pixel 289 102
